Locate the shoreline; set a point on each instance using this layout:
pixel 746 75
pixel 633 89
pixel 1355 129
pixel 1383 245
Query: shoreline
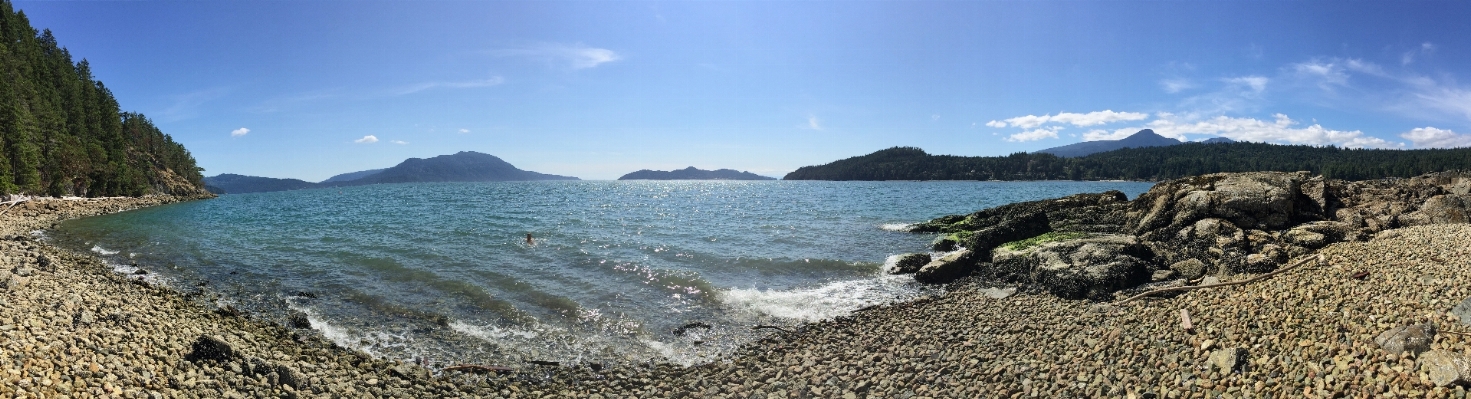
pixel 75 328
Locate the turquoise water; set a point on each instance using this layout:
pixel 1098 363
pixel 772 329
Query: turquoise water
pixel 442 272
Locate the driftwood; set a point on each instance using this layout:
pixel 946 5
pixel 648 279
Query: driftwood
pixel 12 206
pixel 1281 270
pixel 1447 368
pixel 544 363
pixel 477 368
pixel 771 327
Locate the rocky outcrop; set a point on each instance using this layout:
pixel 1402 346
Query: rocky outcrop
pixel 910 263
pixel 1088 267
pixel 946 269
pixel 1190 228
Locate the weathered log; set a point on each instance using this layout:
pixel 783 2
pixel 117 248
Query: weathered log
pixel 1446 368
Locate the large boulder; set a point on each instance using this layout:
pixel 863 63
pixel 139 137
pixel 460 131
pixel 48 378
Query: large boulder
pixel 1255 200
pixel 946 269
pixel 1093 266
pixel 1448 208
pixel 909 263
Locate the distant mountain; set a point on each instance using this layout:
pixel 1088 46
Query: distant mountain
pixel 1144 138
pixel 240 184
pixel 691 173
pixel 463 166
pixel 352 175
pixel 1218 140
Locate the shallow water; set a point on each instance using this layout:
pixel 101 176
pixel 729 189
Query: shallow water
pixel 442 271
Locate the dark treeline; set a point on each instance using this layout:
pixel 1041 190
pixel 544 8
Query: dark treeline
pixel 62 133
pixel 1152 163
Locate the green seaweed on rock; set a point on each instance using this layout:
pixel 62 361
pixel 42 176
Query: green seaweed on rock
pixel 1051 236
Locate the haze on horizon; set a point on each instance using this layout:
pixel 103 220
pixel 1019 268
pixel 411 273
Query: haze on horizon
pixel 595 90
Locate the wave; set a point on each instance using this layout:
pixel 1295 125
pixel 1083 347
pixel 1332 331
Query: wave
pixel 896 226
pixel 827 301
pixel 99 249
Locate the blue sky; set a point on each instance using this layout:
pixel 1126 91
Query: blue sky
pixel 309 89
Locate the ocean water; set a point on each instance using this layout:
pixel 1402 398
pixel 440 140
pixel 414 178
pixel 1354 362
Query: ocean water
pixel 441 272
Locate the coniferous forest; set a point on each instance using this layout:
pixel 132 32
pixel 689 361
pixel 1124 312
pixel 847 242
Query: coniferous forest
pixel 1150 163
pixel 62 133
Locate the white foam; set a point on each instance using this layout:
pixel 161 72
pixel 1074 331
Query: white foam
pixel 830 300
pixel 896 226
pixel 101 250
pixel 490 332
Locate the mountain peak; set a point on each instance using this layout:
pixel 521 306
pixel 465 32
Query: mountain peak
pixel 1142 138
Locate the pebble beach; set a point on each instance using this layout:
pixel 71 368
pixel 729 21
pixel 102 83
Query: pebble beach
pixel 72 327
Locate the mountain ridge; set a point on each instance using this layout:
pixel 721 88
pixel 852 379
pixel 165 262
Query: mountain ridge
pixel 692 173
pixel 463 166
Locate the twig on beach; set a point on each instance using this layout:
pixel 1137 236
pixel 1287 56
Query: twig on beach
pixel 771 327
pixel 478 368
pixel 1247 281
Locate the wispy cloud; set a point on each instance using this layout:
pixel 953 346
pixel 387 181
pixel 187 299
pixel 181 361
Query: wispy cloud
pixel 575 56
pixel 187 105
pixel 399 142
pixel 369 139
pixel 1256 84
pixel 463 131
pixel 468 84
pixel 1049 132
pixel 814 123
pixel 1426 48
pixel 239 132
pixel 1176 85
pixel 1430 137
pixel 1075 119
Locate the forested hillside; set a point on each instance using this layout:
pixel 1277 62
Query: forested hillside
pixel 1153 163
pixel 62 132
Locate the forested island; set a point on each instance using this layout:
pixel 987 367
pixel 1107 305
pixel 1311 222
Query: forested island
pixel 1151 163
pixel 691 173
pixel 464 166
pixel 62 132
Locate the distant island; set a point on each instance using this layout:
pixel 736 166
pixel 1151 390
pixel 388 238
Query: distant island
pixel 691 173
pixel 1143 138
pixel 1142 164
pixel 464 166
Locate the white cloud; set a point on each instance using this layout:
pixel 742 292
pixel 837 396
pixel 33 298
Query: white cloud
pixel 1173 86
pixel 1035 134
pixel 996 124
pixel 814 123
pixel 1088 119
pixel 575 56
pixel 399 142
pixel 239 132
pixel 934 117
pixel 1281 129
pixel 1100 134
pixel 463 131
pixel 1429 137
pixel 1257 84
pixel 1446 99
pixel 451 85
pixel 1326 74
pixel 369 139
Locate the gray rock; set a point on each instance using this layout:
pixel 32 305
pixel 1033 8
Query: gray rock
pixel 407 371
pixel 1463 311
pixel 1451 208
pixel 999 293
pixel 1189 269
pixel 1228 359
pixel 211 347
pixel 1163 275
pixel 946 269
pixel 910 263
pixel 86 317
pixel 1413 339
pixel 1086 267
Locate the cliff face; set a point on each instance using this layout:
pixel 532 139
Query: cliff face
pixel 1091 245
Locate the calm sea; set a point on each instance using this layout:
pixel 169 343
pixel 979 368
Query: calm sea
pixel 442 272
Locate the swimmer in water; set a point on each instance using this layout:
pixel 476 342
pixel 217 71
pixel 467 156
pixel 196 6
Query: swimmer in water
pixel 529 241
